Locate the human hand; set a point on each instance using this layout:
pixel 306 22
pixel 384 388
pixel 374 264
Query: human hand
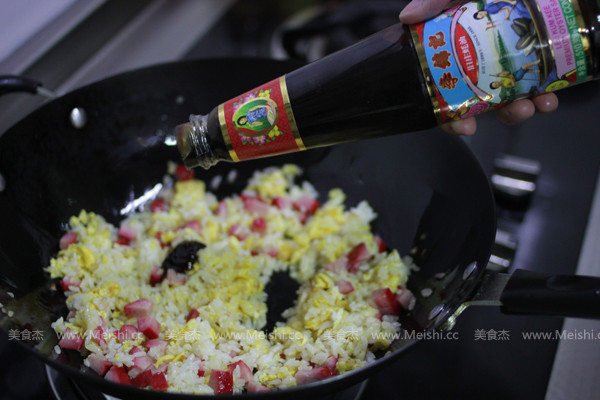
pixel 513 113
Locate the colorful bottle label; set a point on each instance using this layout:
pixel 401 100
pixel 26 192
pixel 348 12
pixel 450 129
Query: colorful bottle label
pixel 485 54
pixel 260 123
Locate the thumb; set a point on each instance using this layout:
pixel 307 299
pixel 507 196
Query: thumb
pixel 421 10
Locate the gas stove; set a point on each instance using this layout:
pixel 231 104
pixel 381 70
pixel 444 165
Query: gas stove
pixel 551 224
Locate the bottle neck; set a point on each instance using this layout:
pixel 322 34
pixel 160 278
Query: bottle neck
pixel 192 142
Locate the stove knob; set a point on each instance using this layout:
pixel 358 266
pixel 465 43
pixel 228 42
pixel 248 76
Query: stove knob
pixel 503 251
pixel 514 180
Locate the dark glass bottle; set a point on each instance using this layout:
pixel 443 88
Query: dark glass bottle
pixel 470 59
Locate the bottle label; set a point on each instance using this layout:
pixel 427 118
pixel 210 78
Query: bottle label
pixel 485 54
pixel 260 123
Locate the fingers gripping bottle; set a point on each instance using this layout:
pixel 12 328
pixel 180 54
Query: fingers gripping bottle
pixel 468 60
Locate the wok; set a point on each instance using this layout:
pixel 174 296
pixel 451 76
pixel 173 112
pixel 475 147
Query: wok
pixel 431 195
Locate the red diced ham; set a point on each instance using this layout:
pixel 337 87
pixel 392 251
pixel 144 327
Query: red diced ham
pixel 259 225
pixel 356 255
pixel 246 374
pixel 142 362
pixel 158 237
pixel 156 275
pixel 236 230
pixel 71 340
pixel 405 298
pixel 381 246
pixel 158 205
pixel 183 174
pixel 273 252
pixel 136 349
pixel 338 265
pixel 325 371
pixel 121 241
pixel 138 308
pixel 99 335
pixel 192 314
pixel 118 374
pixel 126 232
pixel 66 284
pixel 221 381
pixel 306 204
pixel 255 205
pixel 201 371
pixel 98 364
pixel 194 225
pixel 281 202
pixel 221 209
pixel 67 239
pixel 158 381
pixel 160 344
pixel 142 379
pixel 344 286
pixel 385 301
pixel 126 332
pixel 174 278
pixel 149 326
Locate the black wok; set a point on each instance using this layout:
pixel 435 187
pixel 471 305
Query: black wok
pixel 431 195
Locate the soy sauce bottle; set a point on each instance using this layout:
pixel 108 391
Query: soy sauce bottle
pixel 470 59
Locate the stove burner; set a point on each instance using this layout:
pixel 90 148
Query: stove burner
pixel 318 31
pixel 65 388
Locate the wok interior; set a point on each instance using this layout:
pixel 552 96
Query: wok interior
pixel 432 198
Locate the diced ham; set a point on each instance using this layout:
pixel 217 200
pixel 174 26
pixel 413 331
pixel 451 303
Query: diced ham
pixel 142 379
pixel 70 340
pixel 118 374
pixel 127 232
pixel 98 364
pixel 66 283
pixel 156 275
pixel 405 298
pixel 160 344
pixel 194 225
pixel 158 237
pixel 325 371
pixel 282 202
pixel 192 314
pixel 123 241
pixel 158 205
pixel 67 239
pixel 385 301
pixel 142 362
pixel 273 252
pixel 237 231
pixel 259 225
pixel 99 335
pixel 183 174
pixel 221 209
pixel 174 278
pixel 344 286
pixel 149 326
pixel 158 381
pixel 221 381
pixel 136 349
pixel 126 332
pixel 306 204
pixel 138 308
pixel 255 205
pixel 356 255
pixel 381 246
pixel 246 374
pixel 338 265
pixel 201 371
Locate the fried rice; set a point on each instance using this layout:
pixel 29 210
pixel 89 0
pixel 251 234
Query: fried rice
pixel 200 330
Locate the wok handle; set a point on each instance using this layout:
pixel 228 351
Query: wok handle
pixel 15 83
pixel 530 292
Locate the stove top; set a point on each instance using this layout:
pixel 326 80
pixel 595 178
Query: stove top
pixel 555 230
